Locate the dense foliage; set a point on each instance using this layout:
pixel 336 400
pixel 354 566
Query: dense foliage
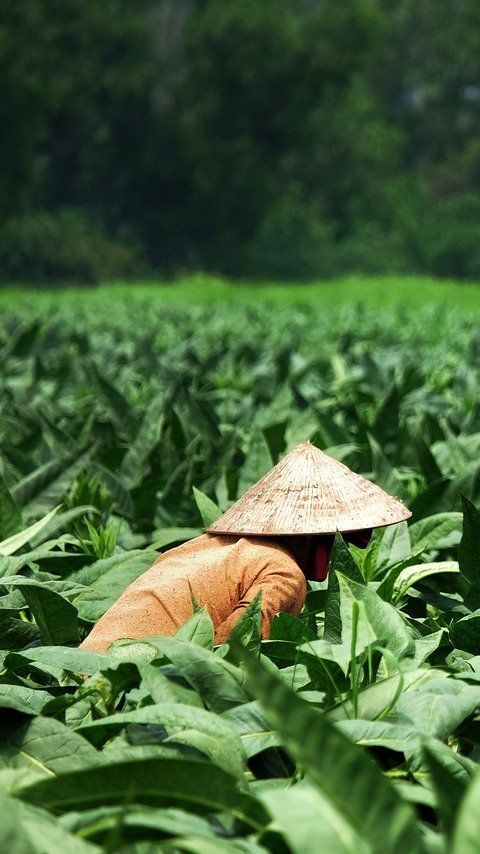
pixel 283 138
pixel 355 727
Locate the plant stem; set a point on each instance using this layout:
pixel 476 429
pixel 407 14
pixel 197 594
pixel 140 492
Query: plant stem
pixel 353 657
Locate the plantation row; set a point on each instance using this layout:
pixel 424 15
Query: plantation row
pixel 355 726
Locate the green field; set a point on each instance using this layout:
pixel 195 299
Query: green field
pixel 381 291
pixel 130 418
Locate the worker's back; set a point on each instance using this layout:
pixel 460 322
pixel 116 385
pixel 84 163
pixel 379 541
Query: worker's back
pixel 223 573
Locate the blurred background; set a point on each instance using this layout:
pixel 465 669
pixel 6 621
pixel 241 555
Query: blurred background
pixel 281 139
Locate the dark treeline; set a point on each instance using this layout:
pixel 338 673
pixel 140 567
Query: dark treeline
pixel 280 138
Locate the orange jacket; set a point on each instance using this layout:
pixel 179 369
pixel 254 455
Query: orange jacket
pixel 223 573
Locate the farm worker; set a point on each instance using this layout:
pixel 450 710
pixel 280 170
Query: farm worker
pixel 276 536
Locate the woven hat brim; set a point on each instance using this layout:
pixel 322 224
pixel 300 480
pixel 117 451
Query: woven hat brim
pixel 309 492
pixel 343 526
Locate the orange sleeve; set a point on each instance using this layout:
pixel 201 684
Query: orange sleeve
pixel 283 587
pixel 137 613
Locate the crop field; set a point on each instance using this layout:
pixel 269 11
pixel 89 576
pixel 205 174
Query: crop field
pixel 126 425
pixel 378 292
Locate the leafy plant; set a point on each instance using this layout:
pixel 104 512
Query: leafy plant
pixel 354 727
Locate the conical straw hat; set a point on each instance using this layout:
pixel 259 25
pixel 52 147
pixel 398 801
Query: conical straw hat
pixel 308 492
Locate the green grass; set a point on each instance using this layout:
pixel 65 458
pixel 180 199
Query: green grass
pixel 379 291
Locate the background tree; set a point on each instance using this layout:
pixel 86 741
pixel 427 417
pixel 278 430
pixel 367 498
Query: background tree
pixel 285 139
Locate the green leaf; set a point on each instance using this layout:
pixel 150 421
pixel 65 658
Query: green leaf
pixel 460 767
pixel 411 575
pixel 63 586
pixel 60 522
pixel 214 738
pixel 135 465
pixel 376 733
pixel 248 629
pixel 56 618
pixel 333 620
pixel 10 515
pixel 25 829
pixel 80 661
pixel 207 508
pixel 375 699
pixel 44 744
pixel 336 766
pixel 466 834
pixel 290 628
pixel 165 690
pixel 219 683
pixel 16 633
pixel 22 699
pixel 14 543
pixel 341 560
pixel 274 435
pixel 443 530
pixel 435 498
pixel 308 822
pixel 257 462
pixel 386 424
pixel 448 789
pixel 46 486
pixel 256 734
pixel 469 549
pixel 440 708
pixel 465 633
pixel 120 497
pixel 427 461
pixel 385 474
pixel 387 623
pixel 170 715
pixel 200 845
pixel 138 822
pixel 197 786
pixel 341 653
pixel 114 399
pixel 198 629
pixel 395 545
pixel 424 647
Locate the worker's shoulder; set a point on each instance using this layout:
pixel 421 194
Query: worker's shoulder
pixel 190 547
pixel 268 550
pixel 243 551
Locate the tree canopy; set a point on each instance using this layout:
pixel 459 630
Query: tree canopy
pixel 285 138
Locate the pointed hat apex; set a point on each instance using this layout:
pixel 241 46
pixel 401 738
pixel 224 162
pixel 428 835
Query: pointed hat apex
pixel 309 492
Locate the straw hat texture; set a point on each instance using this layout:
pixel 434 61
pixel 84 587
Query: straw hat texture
pixel 308 492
